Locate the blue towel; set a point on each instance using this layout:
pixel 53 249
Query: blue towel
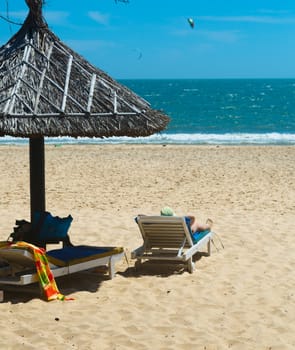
pixel 197 236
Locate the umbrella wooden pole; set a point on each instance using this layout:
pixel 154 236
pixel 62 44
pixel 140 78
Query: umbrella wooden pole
pixel 37 174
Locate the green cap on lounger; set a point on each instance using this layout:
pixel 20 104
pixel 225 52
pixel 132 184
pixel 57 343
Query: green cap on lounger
pixel 166 211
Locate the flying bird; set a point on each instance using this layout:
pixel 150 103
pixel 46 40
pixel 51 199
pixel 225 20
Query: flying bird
pixel 139 54
pixel 191 22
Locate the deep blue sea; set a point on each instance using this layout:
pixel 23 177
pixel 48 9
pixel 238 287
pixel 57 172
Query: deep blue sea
pixel 214 111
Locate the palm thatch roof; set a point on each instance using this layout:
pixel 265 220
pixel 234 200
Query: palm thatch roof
pixel 47 89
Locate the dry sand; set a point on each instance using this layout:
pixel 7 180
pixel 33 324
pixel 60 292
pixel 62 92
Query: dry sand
pixel 241 297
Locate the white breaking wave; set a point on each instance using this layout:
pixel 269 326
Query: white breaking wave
pixel 190 139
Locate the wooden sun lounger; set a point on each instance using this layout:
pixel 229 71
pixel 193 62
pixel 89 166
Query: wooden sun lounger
pixel 18 265
pixel 168 238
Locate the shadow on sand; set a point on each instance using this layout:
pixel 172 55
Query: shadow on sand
pixel 86 281
pixel 159 268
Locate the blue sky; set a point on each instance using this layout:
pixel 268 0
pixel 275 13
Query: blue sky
pixel 152 39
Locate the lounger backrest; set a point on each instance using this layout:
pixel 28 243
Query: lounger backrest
pixel 164 232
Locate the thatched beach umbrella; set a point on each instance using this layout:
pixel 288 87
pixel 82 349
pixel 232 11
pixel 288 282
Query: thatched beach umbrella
pixel 47 89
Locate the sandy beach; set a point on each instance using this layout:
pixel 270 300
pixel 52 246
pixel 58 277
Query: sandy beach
pixel 241 297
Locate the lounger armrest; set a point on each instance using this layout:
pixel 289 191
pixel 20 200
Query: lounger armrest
pixel 196 247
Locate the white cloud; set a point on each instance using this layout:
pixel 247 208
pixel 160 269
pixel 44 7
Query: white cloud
pixel 99 17
pixel 249 19
pixel 222 36
pixel 56 17
pixel 225 36
pixel 89 45
pixel 52 17
pixel 16 16
pixel 274 12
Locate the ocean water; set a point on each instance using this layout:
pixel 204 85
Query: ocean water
pixel 213 111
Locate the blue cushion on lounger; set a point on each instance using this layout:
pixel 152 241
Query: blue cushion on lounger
pixel 50 227
pixel 79 254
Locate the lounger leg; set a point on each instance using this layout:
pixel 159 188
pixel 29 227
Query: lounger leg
pixel 111 268
pixel 190 265
pixel 1 296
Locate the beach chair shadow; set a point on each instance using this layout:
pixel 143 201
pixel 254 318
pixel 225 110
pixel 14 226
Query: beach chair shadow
pixel 167 239
pixel 18 263
pixel 158 268
pixel 86 281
